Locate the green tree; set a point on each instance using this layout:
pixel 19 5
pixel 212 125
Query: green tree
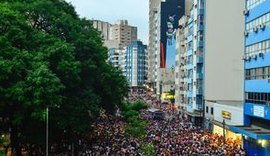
pixel 49 57
pixel 148 149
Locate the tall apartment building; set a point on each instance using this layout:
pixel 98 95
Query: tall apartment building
pixel 163 17
pixel 136 64
pixel 103 28
pixel 114 57
pixel 223 67
pixel 256 129
pixel 195 62
pixel 123 33
pixel 181 63
pixel 153 10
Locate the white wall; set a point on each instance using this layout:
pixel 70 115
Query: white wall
pixel 237 117
pixel 224 47
pixel 209 105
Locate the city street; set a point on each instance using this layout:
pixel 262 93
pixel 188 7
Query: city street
pixel 172 136
pixel 134 78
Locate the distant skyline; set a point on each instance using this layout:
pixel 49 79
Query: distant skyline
pixel 135 11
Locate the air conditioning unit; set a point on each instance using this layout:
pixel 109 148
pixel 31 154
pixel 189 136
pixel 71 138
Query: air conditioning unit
pixel 248 58
pixel 254 57
pixel 261 54
pixel 268 80
pixel 246 33
pixel 244 57
pixel 246 12
pixel 255 29
pixel 267 103
pixel 262 26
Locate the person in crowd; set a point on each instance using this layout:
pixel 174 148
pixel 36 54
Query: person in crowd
pixel 175 136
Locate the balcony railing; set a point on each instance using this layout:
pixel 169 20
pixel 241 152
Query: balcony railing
pixel 199 59
pixel 199 91
pixel 200 44
pixel 199 76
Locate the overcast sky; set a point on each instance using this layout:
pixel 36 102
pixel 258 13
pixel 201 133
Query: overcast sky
pixel 135 11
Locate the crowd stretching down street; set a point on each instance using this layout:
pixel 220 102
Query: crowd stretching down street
pixel 173 136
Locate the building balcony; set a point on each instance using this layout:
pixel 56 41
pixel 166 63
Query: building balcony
pixel 190 80
pixel 199 76
pixel 189 93
pixel 190 52
pixel 199 91
pixel 190 66
pixel 201 11
pixel 199 59
pixel 199 106
pixel 189 108
pixel 190 20
pixel 200 27
pixel 200 44
pixel 190 37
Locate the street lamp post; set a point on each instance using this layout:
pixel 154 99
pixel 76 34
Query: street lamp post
pixel 224 139
pixel 47 131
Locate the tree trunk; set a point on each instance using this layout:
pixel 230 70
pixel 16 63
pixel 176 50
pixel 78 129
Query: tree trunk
pixel 15 145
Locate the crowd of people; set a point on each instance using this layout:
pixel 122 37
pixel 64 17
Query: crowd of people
pixel 110 139
pixel 179 137
pixel 170 137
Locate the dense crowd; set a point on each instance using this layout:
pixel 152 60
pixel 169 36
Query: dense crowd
pixel 110 139
pixel 173 136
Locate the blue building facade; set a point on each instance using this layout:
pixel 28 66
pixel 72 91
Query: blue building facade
pixel 195 68
pixel 136 64
pixel 256 132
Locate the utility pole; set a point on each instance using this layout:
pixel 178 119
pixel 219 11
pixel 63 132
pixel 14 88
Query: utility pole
pixel 224 139
pixel 47 131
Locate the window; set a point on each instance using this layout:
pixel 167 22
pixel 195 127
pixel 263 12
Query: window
pixel 257 73
pixel 212 111
pixel 253 3
pixel 206 109
pixel 248 74
pixel 264 19
pixel 257 98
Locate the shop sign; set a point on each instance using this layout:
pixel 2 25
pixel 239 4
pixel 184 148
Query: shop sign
pixel 226 115
pixel 258 111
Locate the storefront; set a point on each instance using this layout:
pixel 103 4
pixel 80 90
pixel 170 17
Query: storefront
pixel 256 132
pixel 255 140
pixel 224 117
pixel 229 135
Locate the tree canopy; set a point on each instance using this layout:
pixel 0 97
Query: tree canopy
pixel 49 57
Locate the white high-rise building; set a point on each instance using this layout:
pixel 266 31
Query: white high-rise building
pixel 103 27
pixel 123 33
pixel 224 73
pixel 152 46
pixel 181 63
